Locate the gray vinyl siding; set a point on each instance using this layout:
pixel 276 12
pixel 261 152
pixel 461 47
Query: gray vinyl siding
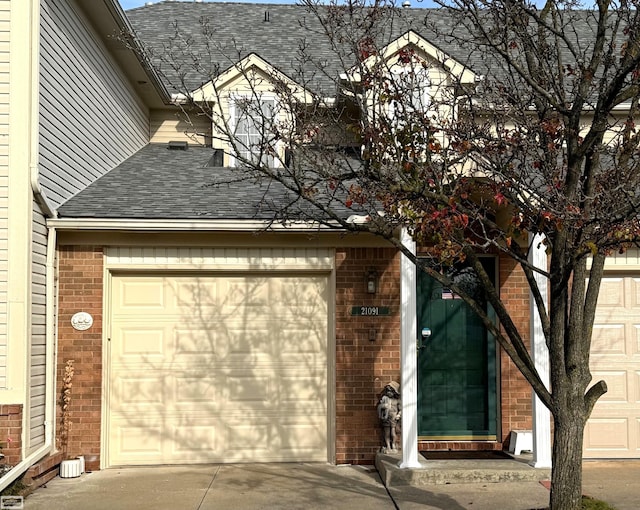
pixel 5 16
pixel 90 119
pixel 37 351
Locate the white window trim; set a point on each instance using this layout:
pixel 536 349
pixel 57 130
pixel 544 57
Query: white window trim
pixel 423 76
pixel 233 119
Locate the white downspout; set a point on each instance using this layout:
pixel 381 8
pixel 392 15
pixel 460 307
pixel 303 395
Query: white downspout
pixel 408 356
pixel 39 196
pixel 46 448
pixel 540 355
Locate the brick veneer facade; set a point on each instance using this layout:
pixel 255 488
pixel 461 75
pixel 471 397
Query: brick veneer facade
pixel 516 402
pixel 367 350
pixel 11 433
pixel 80 287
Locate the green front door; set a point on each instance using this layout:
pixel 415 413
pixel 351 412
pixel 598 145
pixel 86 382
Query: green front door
pixel 456 363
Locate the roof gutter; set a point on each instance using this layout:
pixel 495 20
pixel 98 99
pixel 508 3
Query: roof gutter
pixel 126 28
pixel 151 225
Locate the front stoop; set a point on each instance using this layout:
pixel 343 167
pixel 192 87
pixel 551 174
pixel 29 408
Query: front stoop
pixel 443 472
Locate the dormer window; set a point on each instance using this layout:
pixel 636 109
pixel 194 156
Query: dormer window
pixel 403 111
pixel 254 122
pixel 410 88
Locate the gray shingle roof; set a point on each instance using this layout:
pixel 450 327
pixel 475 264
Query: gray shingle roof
pixel 240 29
pixel 158 183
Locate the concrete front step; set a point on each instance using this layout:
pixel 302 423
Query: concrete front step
pixel 456 471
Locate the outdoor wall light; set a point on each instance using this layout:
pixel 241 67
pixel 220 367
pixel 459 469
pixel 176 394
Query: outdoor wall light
pixel 372 281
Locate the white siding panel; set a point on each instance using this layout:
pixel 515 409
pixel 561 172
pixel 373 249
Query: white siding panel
pixel 629 259
pixel 5 6
pixel 37 359
pixel 82 134
pixel 256 259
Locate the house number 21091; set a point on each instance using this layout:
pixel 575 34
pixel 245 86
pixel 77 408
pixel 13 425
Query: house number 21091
pixel 370 311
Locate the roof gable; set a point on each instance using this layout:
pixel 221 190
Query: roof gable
pixel 463 74
pixel 251 73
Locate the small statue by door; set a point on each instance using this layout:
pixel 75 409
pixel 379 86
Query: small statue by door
pixel 389 412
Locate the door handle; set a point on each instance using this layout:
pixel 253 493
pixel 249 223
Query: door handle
pixel 424 335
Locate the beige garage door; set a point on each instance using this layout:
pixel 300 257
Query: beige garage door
pixel 217 369
pixel 614 428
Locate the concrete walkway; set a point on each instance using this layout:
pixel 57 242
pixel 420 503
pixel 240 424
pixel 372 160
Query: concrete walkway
pixel 311 486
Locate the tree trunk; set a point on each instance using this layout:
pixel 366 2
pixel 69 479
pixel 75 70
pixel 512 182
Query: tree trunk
pixel 566 476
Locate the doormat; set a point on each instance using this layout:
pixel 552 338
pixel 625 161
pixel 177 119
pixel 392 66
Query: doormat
pixel 465 455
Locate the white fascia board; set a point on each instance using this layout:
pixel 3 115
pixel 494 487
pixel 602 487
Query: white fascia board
pixel 179 98
pixel 624 107
pixel 351 77
pixel 87 224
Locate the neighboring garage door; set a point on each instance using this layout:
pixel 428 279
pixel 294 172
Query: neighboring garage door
pixel 614 428
pixel 225 368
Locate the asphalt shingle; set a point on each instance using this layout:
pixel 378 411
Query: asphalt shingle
pixel 158 183
pixel 220 34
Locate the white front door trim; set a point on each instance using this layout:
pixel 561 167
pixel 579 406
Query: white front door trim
pixel 540 355
pixel 408 356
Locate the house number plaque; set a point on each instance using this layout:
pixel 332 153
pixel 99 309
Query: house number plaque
pixel 371 311
pixel 81 321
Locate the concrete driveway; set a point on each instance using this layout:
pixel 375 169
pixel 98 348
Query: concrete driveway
pixel 311 486
pixel 220 487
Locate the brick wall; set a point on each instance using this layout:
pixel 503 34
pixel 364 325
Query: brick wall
pixel 516 392
pixel 367 348
pixel 11 433
pixel 80 290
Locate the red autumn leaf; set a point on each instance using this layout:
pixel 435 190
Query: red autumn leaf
pixel 500 198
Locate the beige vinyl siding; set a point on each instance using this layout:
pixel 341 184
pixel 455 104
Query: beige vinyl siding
pixel 37 354
pixel 166 126
pixel 227 258
pixel 91 120
pixel 5 15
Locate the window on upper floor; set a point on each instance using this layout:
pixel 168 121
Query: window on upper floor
pixel 254 123
pixel 409 88
pixel 401 106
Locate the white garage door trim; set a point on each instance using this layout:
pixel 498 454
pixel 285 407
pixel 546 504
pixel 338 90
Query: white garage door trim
pixel 218 261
